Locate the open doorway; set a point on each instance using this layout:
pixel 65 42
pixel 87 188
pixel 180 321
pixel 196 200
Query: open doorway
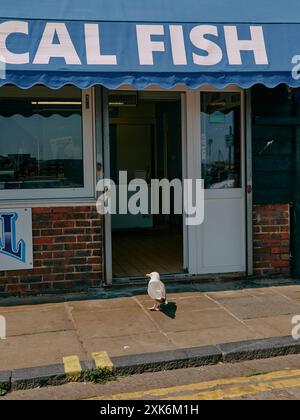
pixel 146 142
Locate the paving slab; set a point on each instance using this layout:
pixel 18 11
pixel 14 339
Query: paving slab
pixel 212 336
pixel 112 323
pixel 274 326
pixel 173 296
pixel 198 302
pixel 194 320
pixel 259 306
pixel 263 292
pixel 289 290
pixel 291 293
pixel 36 321
pixel 24 307
pixel 39 349
pixel 102 305
pixel 129 344
pixel 227 294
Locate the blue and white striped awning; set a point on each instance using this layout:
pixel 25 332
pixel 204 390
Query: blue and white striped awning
pixel 149 42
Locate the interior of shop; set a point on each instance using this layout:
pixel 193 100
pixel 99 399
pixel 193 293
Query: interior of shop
pixel 145 141
pixel 41 138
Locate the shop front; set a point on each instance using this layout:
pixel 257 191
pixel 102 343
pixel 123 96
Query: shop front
pixel 174 95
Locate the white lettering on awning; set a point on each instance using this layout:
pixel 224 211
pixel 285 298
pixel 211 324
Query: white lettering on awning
pixel 161 45
pixel 93 47
pixel 235 45
pixel 7 29
pixel 214 52
pixel 48 49
pixel 146 46
pixel 177 45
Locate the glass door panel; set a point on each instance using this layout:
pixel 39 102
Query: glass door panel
pixel 221 140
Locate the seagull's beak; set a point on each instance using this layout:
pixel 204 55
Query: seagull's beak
pixel 148 275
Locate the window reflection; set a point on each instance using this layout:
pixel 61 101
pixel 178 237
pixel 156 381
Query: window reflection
pixel 41 141
pixel 221 139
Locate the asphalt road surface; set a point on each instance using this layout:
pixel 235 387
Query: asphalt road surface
pixel 271 379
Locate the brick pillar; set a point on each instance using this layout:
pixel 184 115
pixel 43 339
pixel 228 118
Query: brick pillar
pixel 271 240
pixel 67 253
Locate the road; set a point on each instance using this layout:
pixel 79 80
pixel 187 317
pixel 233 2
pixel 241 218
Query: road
pixel 271 379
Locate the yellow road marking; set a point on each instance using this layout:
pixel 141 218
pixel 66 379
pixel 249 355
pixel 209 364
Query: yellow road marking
pixel 102 360
pixel 161 392
pixel 72 366
pixel 238 392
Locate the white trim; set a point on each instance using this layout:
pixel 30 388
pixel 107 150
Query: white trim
pixel 184 175
pixel 88 191
pixel 107 258
pixel 193 170
pixel 249 177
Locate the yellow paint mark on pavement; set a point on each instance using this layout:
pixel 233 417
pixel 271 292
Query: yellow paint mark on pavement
pixel 102 360
pixel 244 382
pixel 242 391
pixel 72 366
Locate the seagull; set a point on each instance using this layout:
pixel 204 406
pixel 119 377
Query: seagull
pixel 157 291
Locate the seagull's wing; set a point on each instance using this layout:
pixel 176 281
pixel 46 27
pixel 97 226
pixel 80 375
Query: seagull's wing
pixel 157 290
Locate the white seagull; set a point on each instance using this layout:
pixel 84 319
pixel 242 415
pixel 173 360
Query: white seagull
pixel 157 291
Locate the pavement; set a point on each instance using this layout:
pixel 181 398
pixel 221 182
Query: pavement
pixel 203 324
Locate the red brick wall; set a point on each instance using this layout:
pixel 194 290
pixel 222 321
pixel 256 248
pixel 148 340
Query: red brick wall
pixel 67 253
pixel 271 240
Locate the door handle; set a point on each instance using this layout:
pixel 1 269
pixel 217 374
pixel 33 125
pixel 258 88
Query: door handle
pixel 87 102
pixel 249 189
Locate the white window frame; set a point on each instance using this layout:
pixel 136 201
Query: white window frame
pixel 86 192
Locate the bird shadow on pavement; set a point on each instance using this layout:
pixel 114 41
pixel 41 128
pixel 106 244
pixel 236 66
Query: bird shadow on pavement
pixel 169 310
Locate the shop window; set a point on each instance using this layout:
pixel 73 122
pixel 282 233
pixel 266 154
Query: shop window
pixel 221 139
pixel 43 149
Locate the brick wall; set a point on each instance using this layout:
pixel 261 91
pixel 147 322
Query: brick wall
pixel 67 253
pixel 271 240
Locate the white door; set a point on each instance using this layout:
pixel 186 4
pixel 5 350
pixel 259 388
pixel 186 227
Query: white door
pixel 219 244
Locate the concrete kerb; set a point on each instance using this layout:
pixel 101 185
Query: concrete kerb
pixel 153 362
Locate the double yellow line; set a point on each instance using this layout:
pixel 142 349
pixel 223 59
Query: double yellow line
pixel 218 389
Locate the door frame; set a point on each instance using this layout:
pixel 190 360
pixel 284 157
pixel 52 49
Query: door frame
pixel 249 181
pixel 107 248
pixel 191 163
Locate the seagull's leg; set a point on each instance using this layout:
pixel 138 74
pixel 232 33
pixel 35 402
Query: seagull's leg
pixel 155 308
